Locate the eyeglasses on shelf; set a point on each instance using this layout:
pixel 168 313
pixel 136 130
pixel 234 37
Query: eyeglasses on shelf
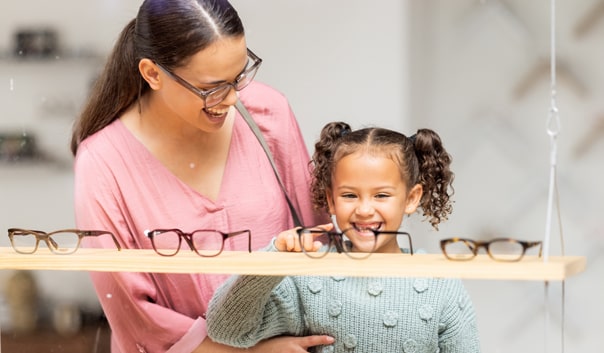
pixel 205 242
pixel 61 242
pixel 331 239
pixel 500 249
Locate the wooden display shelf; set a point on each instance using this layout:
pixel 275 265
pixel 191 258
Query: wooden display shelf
pixel 531 268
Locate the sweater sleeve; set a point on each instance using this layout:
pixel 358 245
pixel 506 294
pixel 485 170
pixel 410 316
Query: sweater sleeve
pixel 458 331
pixel 248 309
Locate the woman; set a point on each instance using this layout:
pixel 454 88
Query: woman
pixel 160 145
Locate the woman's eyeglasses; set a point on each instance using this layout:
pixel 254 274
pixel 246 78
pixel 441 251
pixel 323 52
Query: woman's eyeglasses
pixel 205 242
pixel 213 97
pixel 62 242
pixel 500 249
pixel 330 239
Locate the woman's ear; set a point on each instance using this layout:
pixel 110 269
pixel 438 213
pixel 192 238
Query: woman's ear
pixel 150 73
pixel 413 198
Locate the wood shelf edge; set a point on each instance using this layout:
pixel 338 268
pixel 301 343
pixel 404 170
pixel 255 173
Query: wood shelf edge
pixel 530 268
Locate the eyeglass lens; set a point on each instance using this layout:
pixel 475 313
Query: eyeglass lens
pixel 59 243
pixel 308 236
pixel 205 242
pixel 218 94
pixel 506 250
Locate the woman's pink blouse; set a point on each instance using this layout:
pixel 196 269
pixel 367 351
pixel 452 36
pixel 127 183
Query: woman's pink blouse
pixel 122 188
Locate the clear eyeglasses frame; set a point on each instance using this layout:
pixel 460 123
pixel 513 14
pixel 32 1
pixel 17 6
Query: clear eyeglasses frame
pixel 499 249
pixel 61 242
pixel 214 96
pixel 331 239
pixel 204 242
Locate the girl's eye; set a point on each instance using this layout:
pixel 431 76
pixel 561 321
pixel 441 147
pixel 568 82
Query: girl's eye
pixel 348 196
pixel 382 196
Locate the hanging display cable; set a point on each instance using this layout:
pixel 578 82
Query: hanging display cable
pixel 553 199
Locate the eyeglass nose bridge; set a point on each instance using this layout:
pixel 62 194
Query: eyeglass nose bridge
pixel 50 242
pixel 475 246
pixel 188 239
pixel 232 89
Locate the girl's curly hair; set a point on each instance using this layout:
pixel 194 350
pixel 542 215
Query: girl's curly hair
pixel 421 158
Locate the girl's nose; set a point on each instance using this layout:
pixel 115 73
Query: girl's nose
pixel 365 209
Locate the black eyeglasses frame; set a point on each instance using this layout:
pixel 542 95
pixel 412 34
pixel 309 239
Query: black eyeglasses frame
pixel 337 239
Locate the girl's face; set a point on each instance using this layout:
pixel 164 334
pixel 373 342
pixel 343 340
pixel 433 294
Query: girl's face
pixel 369 193
pixel 219 63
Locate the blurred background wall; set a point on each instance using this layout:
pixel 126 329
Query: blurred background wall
pixel 471 70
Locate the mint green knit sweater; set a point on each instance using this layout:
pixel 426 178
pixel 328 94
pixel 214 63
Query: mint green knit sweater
pixel 364 315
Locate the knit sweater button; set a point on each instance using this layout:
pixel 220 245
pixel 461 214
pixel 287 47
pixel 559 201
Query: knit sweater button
pixel 350 341
pixel 420 285
pixel 390 318
pixel 315 285
pixel 327 349
pixel 334 308
pixel 375 288
pixel 425 312
pixel 410 346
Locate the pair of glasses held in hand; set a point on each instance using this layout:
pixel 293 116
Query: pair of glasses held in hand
pixel 500 249
pixel 61 242
pixel 204 242
pixel 331 239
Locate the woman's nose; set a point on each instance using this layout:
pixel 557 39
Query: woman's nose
pixel 231 98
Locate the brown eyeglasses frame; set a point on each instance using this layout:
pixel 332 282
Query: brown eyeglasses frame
pixel 485 244
pixel 52 245
pixel 187 236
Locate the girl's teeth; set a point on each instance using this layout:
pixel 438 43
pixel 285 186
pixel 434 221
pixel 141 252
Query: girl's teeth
pixel 368 227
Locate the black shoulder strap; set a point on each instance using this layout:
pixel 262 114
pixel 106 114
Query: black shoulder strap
pixel 248 119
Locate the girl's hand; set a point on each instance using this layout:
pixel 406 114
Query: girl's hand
pixel 290 241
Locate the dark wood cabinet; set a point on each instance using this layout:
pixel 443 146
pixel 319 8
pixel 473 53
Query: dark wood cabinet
pixel 90 339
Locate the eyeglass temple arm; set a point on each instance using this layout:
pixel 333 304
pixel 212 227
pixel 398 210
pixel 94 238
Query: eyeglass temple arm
pixel 249 237
pixel 530 244
pixel 377 232
pixel 96 233
pixel 410 242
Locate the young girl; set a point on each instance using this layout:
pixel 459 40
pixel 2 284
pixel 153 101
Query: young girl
pixel 369 179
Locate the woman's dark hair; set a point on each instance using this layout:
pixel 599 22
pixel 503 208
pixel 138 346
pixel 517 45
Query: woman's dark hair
pixel 166 31
pixel 421 158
